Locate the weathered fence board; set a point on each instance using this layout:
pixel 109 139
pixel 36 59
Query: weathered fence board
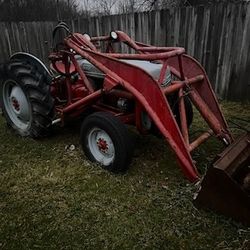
pixel 217 35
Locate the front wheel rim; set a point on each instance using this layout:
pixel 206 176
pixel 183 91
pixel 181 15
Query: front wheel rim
pixel 16 105
pixel 101 146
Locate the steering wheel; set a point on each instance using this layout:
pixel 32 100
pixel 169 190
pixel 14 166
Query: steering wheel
pixel 59 33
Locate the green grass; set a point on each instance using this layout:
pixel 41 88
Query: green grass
pixel 53 198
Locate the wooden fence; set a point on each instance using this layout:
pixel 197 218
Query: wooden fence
pixel 217 35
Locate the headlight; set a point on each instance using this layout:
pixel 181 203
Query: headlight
pixel 87 36
pixel 114 35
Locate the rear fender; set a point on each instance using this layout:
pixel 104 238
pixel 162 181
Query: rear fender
pixel 34 61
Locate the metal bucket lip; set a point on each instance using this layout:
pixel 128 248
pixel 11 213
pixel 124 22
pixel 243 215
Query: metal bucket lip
pixel 221 189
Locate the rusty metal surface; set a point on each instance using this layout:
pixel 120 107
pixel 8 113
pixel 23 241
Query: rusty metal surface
pixel 226 186
pixel 202 138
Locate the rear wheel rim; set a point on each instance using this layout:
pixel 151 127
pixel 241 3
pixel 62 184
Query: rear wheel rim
pixel 101 146
pixel 16 105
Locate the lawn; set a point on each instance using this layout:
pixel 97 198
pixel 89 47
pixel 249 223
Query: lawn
pixel 51 197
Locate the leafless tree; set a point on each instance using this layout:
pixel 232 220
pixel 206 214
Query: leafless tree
pixel 87 8
pixel 34 10
pixel 160 4
pixel 105 7
pixel 47 10
pixel 128 6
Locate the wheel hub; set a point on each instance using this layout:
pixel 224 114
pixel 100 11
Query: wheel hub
pixel 15 104
pixel 19 103
pixel 102 145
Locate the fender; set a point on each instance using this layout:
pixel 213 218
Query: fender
pixel 34 61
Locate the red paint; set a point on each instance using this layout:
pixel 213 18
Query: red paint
pixel 133 83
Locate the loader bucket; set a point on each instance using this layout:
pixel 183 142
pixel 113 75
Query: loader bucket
pixel 226 186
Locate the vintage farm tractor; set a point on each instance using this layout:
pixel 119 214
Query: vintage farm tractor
pixel 153 89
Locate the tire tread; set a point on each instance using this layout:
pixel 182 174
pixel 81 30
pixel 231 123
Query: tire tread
pixel 36 87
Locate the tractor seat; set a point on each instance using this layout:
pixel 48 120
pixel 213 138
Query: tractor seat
pixel 153 69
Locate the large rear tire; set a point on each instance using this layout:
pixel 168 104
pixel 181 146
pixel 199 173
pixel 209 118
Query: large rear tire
pixel 175 109
pixel 25 99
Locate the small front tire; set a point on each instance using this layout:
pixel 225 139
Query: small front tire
pixel 105 140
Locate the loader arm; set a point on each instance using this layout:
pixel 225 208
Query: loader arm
pixel 207 104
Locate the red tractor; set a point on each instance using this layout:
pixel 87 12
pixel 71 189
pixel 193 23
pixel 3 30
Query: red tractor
pixel 153 89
